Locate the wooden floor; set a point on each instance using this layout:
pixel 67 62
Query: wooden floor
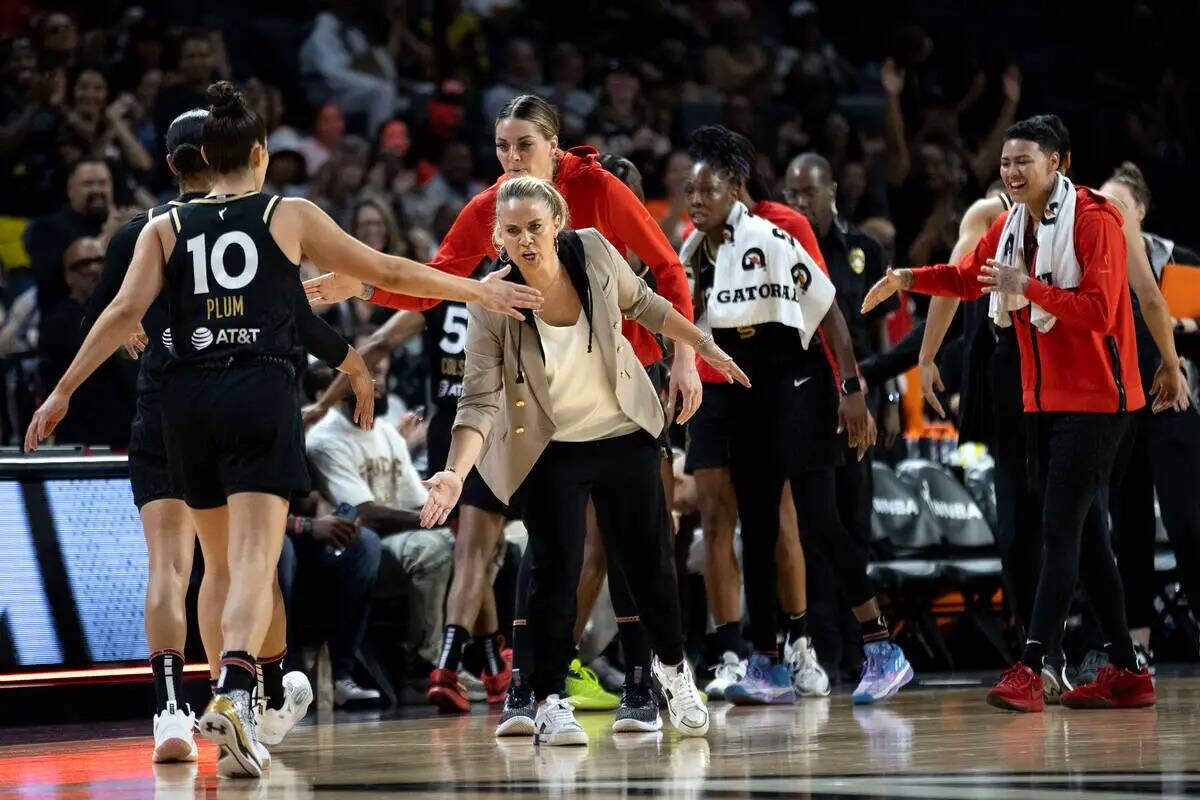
pixel 932 742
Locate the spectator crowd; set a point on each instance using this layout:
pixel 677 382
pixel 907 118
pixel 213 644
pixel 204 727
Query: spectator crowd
pixel 381 113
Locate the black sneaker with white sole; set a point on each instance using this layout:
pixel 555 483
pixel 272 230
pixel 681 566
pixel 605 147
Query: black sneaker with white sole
pixel 638 712
pixel 1054 679
pixel 520 707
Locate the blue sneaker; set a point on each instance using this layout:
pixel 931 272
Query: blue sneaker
pixel 767 682
pixel 884 672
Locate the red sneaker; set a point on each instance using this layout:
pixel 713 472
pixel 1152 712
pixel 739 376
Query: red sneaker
pixel 497 685
pixel 1019 689
pixel 1113 688
pixel 447 692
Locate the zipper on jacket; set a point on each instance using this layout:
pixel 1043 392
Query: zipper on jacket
pixel 1114 355
pixel 1037 362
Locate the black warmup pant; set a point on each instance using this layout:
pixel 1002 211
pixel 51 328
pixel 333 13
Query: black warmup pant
pixel 785 429
pixel 621 476
pixel 1071 458
pixel 1164 456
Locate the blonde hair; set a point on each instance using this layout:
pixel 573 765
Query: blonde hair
pixel 527 187
pixel 534 109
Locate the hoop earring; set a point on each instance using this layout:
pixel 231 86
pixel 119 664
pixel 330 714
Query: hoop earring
pixel 504 256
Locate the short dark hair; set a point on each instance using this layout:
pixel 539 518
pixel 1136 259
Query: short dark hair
pixel 83 162
pixel 231 130
pixel 717 146
pixel 1131 177
pixel 1060 129
pixel 1040 133
pixel 316 379
pixel 814 159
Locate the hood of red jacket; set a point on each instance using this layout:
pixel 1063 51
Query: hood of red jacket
pixel 1088 200
pixel 575 162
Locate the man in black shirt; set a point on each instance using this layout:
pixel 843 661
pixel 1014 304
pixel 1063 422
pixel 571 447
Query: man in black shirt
pixel 106 400
pixel 855 262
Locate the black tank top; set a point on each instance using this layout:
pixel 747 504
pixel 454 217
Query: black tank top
pixel 230 289
pixel 445 347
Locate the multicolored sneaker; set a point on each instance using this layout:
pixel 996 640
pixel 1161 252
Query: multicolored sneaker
pixel 1090 667
pixel 885 672
pixel 1113 688
pixel 767 682
pixel 1019 689
pixel 585 692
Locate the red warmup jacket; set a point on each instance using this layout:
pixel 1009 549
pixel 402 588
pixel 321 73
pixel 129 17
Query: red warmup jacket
pixel 597 199
pixel 1088 361
pixel 795 223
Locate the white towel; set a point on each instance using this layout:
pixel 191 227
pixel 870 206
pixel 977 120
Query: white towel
pixel 762 275
pixel 1057 264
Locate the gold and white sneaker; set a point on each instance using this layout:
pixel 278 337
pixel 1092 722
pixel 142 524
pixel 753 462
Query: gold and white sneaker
pixel 229 722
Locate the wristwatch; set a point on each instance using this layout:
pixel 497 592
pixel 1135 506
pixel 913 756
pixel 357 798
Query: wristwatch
pixel 851 385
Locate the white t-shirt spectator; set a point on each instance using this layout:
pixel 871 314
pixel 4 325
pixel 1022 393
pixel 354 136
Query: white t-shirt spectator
pixel 354 466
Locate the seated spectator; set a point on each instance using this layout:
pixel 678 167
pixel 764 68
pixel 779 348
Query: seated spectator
pixel 329 128
pixel 339 64
pixel 522 74
pixel 104 128
pixel 372 472
pixel 88 213
pixel 335 561
pixel 102 409
pixel 452 184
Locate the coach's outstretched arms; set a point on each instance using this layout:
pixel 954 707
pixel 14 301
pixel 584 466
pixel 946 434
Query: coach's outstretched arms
pixel 329 247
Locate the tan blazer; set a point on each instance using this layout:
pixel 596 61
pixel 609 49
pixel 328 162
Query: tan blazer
pixel 515 418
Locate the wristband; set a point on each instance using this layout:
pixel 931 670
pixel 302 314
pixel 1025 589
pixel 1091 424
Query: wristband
pixel 368 291
pixel 306 526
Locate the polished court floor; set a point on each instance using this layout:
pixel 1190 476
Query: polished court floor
pixel 936 741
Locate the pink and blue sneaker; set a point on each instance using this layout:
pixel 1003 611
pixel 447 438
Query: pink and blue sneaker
pixel 885 671
pixel 767 682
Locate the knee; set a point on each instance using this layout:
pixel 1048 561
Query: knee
pixel 365 554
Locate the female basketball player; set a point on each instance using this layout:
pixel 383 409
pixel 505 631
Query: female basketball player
pixel 581 420
pixel 527 131
pixel 765 297
pixel 230 409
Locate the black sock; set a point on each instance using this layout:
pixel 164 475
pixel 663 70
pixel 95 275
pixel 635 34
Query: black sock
pixel 272 672
pixel 795 626
pixel 454 640
pixel 212 686
pixel 239 671
pixel 493 659
pixel 635 644
pixel 874 630
pixel 167 666
pixel 1034 656
pixel 1121 654
pixel 729 638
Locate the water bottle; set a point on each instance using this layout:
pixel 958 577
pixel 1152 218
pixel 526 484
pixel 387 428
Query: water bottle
pixel 344 511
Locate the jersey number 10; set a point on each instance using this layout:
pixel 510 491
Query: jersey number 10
pixel 201 260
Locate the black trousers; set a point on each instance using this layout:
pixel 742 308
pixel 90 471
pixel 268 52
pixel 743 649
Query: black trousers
pixel 785 429
pixel 1163 456
pixel 621 476
pixel 1071 461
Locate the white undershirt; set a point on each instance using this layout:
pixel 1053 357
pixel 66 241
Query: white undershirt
pixel 582 397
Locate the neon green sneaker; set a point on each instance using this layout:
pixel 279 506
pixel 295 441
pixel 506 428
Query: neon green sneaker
pixel 585 692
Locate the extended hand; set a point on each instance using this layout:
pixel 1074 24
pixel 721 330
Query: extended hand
pixel 46 419
pixel 854 418
pixel 894 281
pixel 136 345
pixel 1170 389
pixel 444 489
pixel 505 297
pixel 1004 278
pixel 684 382
pixel 331 288
pixel 723 363
pixel 931 379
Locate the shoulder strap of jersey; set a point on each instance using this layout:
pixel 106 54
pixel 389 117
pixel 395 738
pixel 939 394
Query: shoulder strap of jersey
pixel 272 204
pixel 1006 201
pixel 175 221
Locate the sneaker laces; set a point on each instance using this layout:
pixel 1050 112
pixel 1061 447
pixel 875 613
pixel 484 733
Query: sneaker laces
pixel 589 676
pixel 1018 675
pixel 727 670
pixel 1093 662
pixel 684 688
pixel 560 713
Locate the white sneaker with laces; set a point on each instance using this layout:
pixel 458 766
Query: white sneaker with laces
pixel 173 740
pixel 731 670
pixel 686 709
pixel 277 723
pixel 555 723
pixel 347 691
pixel 808 677
pixel 476 691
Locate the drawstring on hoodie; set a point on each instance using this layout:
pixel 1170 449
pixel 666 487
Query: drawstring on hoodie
pixel 587 309
pixel 520 366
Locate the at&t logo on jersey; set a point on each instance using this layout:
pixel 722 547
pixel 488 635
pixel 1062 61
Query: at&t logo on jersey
pixel 237 335
pixel 166 340
pixel 201 338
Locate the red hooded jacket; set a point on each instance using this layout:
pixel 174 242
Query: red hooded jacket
pixel 597 199
pixel 1088 361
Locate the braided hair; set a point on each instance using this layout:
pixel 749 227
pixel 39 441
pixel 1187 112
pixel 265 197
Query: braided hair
pixel 719 147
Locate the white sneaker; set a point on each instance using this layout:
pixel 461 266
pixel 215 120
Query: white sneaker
pixel 277 723
pixel 688 713
pixel 173 740
pixel 731 670
pixel 476 691
pixel 555 723
pixel 347 691
pixel 808 677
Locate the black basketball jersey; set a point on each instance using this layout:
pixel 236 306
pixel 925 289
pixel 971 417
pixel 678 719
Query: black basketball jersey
pixel 230 289
pixel 445 348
